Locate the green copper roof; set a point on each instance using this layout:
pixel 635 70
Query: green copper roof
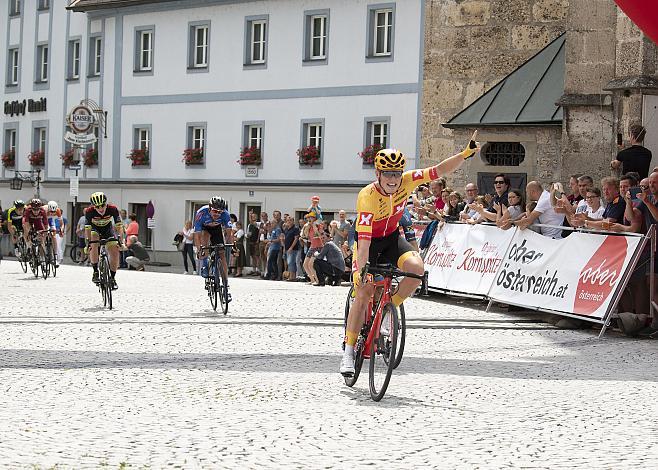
pixel 527 96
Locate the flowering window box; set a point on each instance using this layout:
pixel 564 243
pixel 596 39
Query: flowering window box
pixel 368 154
pixel 9 159
pixel 250 156
pixel 193 157
pixel 37 158
pixel 309 155
pixel 68 158
pixel 90 157
pixel 139 157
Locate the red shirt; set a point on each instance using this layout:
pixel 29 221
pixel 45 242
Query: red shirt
pixel 38 221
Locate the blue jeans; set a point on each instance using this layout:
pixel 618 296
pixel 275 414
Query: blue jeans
pixel 291 258
pixel 272 264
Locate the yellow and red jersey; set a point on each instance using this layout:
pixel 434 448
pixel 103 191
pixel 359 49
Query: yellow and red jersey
pixel 378 214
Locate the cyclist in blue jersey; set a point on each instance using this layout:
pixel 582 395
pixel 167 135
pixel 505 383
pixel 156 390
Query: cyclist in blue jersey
pixel 209 224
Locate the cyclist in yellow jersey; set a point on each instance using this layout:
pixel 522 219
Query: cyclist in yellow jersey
pixel 380 206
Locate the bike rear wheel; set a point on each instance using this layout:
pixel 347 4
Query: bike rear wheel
pixel 382 353
pixel 402 333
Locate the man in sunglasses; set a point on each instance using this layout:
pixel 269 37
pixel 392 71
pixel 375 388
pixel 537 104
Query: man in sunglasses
pixel 103 221
pixel 209 224
pixel 380 205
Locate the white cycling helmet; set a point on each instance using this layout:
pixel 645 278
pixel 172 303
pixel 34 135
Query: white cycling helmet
pixel 52 206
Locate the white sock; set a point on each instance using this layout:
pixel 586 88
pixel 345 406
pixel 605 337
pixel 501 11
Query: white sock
pixel 349 351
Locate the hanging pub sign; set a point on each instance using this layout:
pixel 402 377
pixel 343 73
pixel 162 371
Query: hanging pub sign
pixel 81 120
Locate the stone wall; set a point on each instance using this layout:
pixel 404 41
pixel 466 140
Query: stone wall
pixel 470 45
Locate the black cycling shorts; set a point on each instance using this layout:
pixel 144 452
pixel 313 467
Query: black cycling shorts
pixel 104 232
pixel 216 234
pixel 388 249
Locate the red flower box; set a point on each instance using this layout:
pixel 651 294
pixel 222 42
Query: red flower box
pixel 9 159
pixel 193 156
pixel 250 156
pixel 37 158
pixel 139 157
pixel 368 153
pixel 309 155
pixel 90 157
pixel 68 158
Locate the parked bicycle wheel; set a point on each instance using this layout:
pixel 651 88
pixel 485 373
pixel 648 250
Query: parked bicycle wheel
pixel 75 253
pixel 382 353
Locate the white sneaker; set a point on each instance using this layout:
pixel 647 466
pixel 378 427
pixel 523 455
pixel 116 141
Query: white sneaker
pixel 194 272
pixel 185 272
pixel 386 323
pixel 347 365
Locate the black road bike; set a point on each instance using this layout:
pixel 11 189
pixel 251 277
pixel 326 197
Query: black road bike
pixel 104 275
pixel 216 282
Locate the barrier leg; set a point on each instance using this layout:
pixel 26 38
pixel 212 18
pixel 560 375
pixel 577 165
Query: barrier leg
pixel 489 306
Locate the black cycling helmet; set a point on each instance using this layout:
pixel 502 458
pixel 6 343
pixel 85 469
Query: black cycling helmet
pixel 18 203
pixel 218 203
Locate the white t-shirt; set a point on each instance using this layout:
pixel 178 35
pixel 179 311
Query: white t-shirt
pixel 595 214
pixel 548 216
pixel 188 233
pixel 582 206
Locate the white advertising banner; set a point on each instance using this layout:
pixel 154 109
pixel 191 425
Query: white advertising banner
pixel 465 258
pixel 576 275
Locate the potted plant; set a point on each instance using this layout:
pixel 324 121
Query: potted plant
pixel 139 157
pixel 9 159
pixel 193 156
pixel 309 155
pixel 37 158
pixel 250 156
pixel 90 157
pixel 68 158
pixel 368 154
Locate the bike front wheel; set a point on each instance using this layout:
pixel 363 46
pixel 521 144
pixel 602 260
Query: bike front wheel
pixel 45 265
pixel 382 352
pixel 22 255
pixel 358 362
pixel 402 333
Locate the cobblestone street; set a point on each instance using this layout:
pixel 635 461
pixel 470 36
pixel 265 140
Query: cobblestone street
pixel 164 381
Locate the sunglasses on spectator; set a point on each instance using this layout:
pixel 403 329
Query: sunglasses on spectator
pixel 499 182
pixel 392 174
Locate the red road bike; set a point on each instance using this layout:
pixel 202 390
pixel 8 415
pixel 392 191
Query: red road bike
pixel 376 342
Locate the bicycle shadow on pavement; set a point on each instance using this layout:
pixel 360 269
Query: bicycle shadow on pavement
pixel 590 364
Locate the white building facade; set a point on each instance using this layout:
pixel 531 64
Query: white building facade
pixel 221 76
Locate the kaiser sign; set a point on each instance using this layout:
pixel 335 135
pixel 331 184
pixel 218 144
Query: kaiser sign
pixel 81 119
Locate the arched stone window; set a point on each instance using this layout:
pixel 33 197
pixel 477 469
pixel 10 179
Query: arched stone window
pixel 503 153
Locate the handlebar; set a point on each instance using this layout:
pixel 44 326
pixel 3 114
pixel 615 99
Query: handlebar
pixel 392 272
pixel 104 241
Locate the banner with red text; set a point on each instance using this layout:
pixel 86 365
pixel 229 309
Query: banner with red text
pixel 465 258
pixel 577 275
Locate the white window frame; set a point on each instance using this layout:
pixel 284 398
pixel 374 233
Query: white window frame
pixel 75 60
pixel 321 36
pixel 43 63
pixel 196 47
pixel 42 139
pixel 386 29
pixel 258 43
pixel 15 7
pixel 380 136
pixel 257 139
pixel 143 138
pixel 13 66
pixel 97 58
pixel 198 137
pixel 146 52
pixel 11 137
pixel 315 141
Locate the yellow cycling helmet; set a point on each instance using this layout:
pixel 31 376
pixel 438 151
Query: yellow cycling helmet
pixel 98 199
pixel 390 160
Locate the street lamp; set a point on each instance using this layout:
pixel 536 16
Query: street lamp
pixel 33 176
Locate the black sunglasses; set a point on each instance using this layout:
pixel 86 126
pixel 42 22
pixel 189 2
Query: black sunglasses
pixel 499 182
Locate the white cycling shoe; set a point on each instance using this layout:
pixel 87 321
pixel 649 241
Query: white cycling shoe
pixel 347 365
pixel 384 328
